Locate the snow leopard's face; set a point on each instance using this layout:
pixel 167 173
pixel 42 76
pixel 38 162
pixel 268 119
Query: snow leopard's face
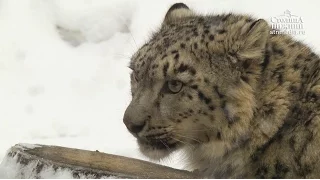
pixel 171 102
pixel 186 90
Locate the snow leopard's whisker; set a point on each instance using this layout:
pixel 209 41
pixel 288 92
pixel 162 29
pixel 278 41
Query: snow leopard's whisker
pixel 200 130
pixel 183 142
pixel 177 134
pixel 165 144
pixel 135 43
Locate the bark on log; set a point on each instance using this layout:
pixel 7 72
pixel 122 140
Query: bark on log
pixel 89 164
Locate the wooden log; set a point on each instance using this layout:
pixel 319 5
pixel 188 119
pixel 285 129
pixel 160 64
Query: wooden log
pixel 88 164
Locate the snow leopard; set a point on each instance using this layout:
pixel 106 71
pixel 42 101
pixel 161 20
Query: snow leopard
pixel 238 100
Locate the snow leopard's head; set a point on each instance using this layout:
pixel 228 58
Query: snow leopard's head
pixel 190 84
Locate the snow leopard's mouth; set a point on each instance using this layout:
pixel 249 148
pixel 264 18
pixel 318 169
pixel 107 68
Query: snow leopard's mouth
pixel 157 149
pixel 161 144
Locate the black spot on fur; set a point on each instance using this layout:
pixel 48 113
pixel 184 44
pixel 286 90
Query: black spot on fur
pixel 225 17
pixel 183 68
pixel 192 71
pixel 194 86
pixel 279 136
pixel 313 55
pixel 166 42
pixel 311 97
pixel 254 23
pixel 157 104
pixel 176 57
pixel 195 45
pixel 277 50
pixel 280 170
pixel 244 78
pixel 206 31
pixel 154 66
pixel 233 120
pixel 306 169
pixel 211 37
pixel 308 60
pixel 223 104
pixel 292 142
pixel 293 89
pixel 221 31
pixel 246 64
pixel 164 56
pixel 249 20
pixel 262 172
pixel 299 57
pixel 206 80
pixel 292 45
pixel 190 97
pixel 174 51
pixel 165 69
pixel 202 97
pixel 219 135
pixel 296 66
pixel 182 45
pixel 269 109
pixel 211 107
pixel 216 89
pixel 280 79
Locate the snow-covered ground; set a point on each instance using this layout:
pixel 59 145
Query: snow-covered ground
pixel 70 88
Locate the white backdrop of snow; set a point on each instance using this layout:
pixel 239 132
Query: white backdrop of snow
pixel 58 94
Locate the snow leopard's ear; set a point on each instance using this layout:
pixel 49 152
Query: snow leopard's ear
pixel 255 37
pixel 177 11
pixel 248 40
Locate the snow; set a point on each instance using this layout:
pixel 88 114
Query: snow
pixel 27 146
pixel 71 87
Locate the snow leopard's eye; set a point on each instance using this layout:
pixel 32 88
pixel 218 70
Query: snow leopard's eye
pixel 174 86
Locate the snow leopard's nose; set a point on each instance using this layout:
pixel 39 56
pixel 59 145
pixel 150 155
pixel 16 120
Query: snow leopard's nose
pixel 134 119
pixel 131 126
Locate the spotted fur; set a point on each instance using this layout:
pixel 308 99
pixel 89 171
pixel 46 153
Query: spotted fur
pixel 249 100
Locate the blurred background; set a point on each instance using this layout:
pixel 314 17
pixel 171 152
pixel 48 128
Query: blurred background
pixel 63 65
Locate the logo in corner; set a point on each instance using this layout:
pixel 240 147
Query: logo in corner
pixel 287 23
